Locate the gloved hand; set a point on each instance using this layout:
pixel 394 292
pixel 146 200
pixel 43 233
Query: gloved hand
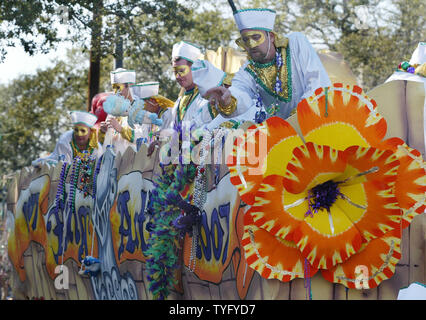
pixel 189 209
pixel 185 223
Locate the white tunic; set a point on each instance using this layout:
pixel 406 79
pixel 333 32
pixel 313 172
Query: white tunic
pixel 246 116
pixel 63 147
pixel 200 115
pixel 197 113
pixel 120 144
pixel 307 74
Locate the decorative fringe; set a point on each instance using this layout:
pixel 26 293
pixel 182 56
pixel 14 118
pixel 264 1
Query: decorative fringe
pixel 163 244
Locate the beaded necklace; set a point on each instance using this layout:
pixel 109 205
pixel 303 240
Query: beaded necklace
pixel 200 196
pixel 253 69
pixel 60 189
pixel 76 150
pixel 200 188
pixel 73 183
pixel 417 69
pixel 307 282
pixel 185 102
pixel 85 181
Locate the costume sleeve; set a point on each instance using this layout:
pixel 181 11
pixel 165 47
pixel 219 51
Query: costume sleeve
pixel 243 89
pixel 308 65
pixel 168 116
pixel 101 137
pixel 128 133
pixel 206 113
pixel 62 147
pixel 141 131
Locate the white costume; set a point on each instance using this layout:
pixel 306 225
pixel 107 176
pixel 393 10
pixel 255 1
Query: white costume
pixel 196 107
pixel 207 76
pixel 116 139
pixel 128 137
pixel 63 148
pixel 148 122
pixel 305 72
pixel 199 112
pixel 415 291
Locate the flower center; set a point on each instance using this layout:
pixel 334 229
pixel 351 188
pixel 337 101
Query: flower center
pixel 322 196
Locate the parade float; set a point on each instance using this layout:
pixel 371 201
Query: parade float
pixel 334 214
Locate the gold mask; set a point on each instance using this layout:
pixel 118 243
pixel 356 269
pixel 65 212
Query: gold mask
pixel 251 39
pixel 118 87
pixel 81 131
pixel 182 70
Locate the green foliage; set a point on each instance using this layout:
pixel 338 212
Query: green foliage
pixel 27 21
pixel 33 111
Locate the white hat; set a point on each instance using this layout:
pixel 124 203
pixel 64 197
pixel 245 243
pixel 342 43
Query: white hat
pixel 206 76
pixel 83 117
pixel 419 55
pixel 123 76
pixel 259 19
pixel 145 90
pixel 186 50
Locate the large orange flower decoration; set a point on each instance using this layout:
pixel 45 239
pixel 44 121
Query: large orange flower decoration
pixel 334 199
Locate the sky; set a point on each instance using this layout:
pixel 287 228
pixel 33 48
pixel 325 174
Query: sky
pixel 18 62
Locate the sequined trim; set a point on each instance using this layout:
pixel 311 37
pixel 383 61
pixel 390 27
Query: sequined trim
pixel 101 136
pixel 265 76
pixel 76 151
pixel 212 110
pixel 228 110
pixel 161 112
pixel 128 134
pixel 185 101
pixel 228 79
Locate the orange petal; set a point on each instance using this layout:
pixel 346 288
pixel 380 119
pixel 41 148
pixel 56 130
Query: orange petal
pixel 327 238
pixel 268 211
pixel 271 257
pixel 410 186
pixel 375 262
pixel 311 165
pixel 382 212
pixel 390 144
pixel 350 118
pixel 261 151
